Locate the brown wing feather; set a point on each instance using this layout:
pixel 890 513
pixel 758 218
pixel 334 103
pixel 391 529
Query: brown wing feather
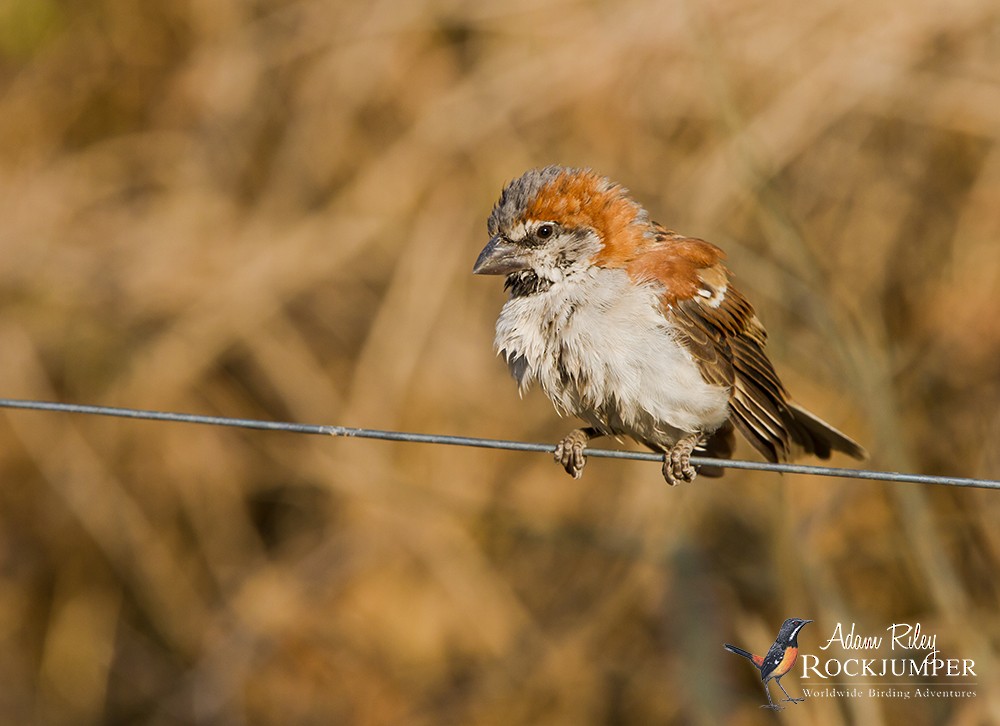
pixel 721 330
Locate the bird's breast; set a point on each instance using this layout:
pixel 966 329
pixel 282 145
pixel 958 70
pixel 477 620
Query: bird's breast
pixel 600 348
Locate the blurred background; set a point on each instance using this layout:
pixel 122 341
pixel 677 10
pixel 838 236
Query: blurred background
pixel 271 210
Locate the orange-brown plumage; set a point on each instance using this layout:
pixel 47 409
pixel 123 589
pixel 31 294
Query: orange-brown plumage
pixel 681 265
pixel 786 662
pixel 586 199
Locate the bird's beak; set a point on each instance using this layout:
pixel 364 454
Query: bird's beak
pixel 500 257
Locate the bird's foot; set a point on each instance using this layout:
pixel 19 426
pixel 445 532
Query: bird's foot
pixel 570 452
pixel 773 707
pixel 677 466
pixel 793 700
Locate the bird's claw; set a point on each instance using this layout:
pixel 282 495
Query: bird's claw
pixel 570 452
pixel 677 466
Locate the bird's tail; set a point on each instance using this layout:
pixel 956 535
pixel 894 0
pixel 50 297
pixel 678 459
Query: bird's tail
pixel 819 438
pixel 739 651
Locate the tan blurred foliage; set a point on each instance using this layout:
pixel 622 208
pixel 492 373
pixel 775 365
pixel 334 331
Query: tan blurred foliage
pixel 271 209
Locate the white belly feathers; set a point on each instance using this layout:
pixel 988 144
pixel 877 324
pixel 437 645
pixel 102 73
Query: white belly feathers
pixel 600 348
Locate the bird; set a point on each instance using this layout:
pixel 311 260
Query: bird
pixel 779 659
pixel 635 329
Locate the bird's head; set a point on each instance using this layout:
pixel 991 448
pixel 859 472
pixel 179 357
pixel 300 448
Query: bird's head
pixel 553 223
pixel 789 632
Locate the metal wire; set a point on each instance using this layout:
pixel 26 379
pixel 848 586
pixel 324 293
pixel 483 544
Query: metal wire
pixel 344 431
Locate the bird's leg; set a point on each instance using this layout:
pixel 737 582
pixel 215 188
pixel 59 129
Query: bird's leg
pixel 771 704
pixel 677 460
pixel 570 451
pixel 787 697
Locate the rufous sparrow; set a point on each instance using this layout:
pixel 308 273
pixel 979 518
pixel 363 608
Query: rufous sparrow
pixel 635 329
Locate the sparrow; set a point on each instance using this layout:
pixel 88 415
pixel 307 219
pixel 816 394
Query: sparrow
pixel 635 329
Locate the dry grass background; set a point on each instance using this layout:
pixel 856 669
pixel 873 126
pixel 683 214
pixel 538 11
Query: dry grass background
pixel 271 210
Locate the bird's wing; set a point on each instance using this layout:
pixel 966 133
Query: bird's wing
pixel 775 657
pixel 720 329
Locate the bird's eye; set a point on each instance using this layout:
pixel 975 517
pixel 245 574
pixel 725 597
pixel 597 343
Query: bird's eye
pixel 544 231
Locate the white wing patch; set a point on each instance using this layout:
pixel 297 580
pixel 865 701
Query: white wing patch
pixel 713 295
